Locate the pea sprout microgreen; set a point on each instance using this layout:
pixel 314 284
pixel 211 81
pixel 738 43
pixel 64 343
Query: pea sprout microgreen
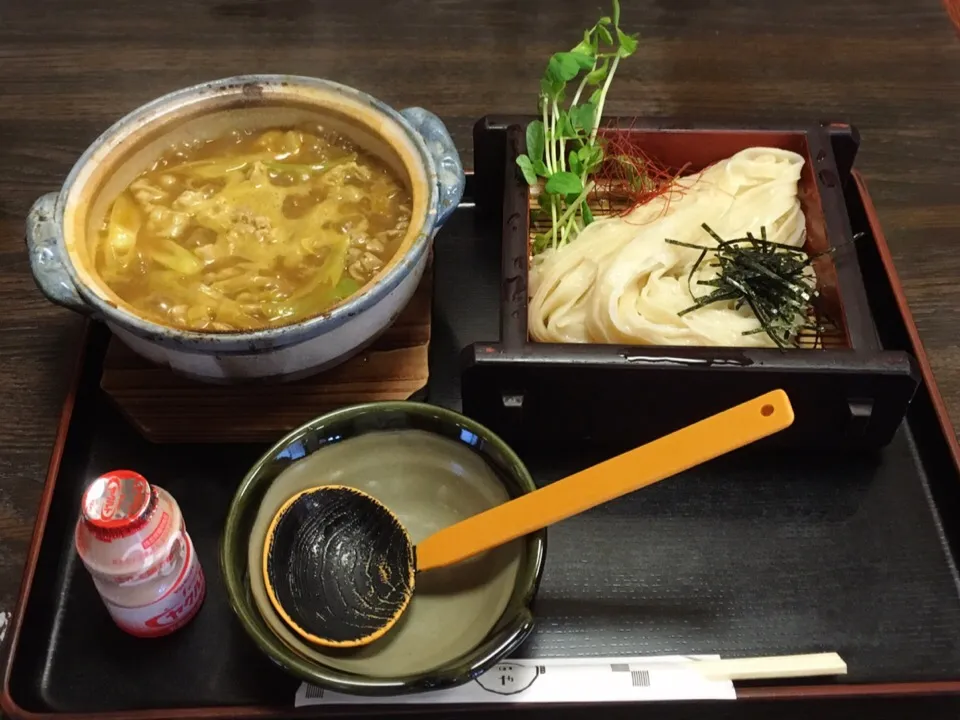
pixel 563 150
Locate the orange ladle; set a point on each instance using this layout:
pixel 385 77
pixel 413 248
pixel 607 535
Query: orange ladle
pixel 340 568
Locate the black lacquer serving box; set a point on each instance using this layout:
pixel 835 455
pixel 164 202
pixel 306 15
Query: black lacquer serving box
pixel 847 390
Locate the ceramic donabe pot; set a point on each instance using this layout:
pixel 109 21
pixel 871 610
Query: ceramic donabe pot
pixel 62 227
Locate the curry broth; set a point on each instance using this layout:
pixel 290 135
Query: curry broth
pixel 252 229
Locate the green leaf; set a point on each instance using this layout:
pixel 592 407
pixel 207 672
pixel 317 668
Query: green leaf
pixel 575 164
pixel 535 142
pixel 597 157
pixel 590 156
pixel 554 79
pixel 563 66
pixel 526 167
pixel 628 43
pixel 584 60
pixel 597 76
pixel 587 214
pixel 586 47
pixel 605 20
pixel 540 168
pixel 605 34
pixel 565 127
pixel 564 183
pixel 549 88
pixel 590 40
pixel 593 163
pixel 595 97
pixel 582 115
pixel 553 74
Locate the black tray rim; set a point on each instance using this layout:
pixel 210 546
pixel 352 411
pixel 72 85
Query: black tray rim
pixel 13 710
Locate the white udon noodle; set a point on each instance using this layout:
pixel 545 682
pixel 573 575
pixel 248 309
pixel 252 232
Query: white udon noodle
pixel 619 282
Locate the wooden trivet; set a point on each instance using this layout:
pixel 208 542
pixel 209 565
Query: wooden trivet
pixel 167 408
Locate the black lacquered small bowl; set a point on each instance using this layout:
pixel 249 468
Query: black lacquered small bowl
pixel 263 491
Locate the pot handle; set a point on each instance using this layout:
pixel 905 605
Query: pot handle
pixel 43 241
pixel 450 176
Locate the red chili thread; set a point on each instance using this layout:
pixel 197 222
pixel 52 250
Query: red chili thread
pixel 628 177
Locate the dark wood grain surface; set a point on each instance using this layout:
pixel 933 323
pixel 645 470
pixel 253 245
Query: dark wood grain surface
pixel 69 68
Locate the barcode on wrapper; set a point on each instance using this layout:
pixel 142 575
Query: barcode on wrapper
pixel 313 692
pixel 640 678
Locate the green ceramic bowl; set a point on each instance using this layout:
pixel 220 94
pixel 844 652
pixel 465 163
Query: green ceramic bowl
pixel 432 467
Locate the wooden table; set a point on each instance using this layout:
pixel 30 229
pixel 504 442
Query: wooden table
pixel 69 68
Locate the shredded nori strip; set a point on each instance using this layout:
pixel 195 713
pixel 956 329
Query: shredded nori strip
pixel 770 278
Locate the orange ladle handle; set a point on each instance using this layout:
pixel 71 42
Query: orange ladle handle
pixel 650 463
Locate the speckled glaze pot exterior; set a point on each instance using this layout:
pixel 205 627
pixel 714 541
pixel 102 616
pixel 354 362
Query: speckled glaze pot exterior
pixel 515 623
pixel 413 140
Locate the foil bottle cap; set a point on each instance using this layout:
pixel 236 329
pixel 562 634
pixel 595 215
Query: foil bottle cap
pixel 117 502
